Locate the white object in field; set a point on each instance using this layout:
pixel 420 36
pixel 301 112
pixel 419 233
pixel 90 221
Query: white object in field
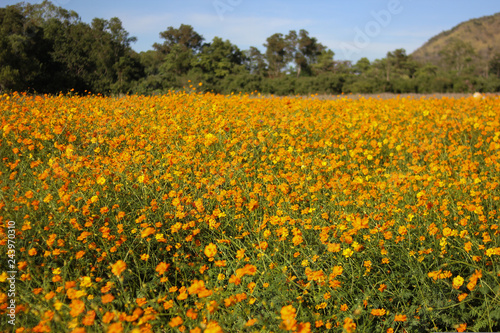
pixel 478 95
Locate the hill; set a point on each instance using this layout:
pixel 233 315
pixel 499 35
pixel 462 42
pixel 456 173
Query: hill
pixel 482 34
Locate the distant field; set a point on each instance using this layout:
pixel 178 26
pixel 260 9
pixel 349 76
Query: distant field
pixel 388 96
pixel 209 213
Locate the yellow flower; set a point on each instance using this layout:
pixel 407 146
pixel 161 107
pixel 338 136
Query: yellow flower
pixel 458 282
pixel 86 282
pixel 58 305
pixel 101 180
pixel 347 253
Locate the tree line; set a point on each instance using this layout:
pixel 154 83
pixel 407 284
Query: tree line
pixel 48 49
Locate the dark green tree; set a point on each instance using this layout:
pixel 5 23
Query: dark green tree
pixel 219 59
pixel 20 45
pixel 179 49
pixel 184 36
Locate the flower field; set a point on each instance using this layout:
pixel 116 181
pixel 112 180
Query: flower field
pixel 196 212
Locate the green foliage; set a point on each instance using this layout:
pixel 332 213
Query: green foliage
pixel 47 49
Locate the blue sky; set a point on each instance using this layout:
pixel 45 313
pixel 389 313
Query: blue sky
pixel 352 29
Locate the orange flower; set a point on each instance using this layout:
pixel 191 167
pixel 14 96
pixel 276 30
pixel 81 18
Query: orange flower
pixel 50 295
pixel 234 279
pixel 108 298
pixel 118 267
pixel 240 254
pixel 141 301
pixel 349 325
pixel 115 328
pixel 247 270
pixel 378 312
pixel 88 320
pixel 197 287
pixel 108 317
pixel 250 322
pixel 191 314
pixel 176 321
pixel 77 307
pixel 210 250
pixel 213 327
pixel 400 318
pixel 162 268
pixel 288 314
pixel 147 232
pixel 78 330
pixel 303 328
pixel 336 271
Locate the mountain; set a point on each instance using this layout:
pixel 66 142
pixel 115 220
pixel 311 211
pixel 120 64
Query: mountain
pixel 482 34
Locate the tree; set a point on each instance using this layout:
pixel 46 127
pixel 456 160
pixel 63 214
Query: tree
pixel 179 48
pixel 184 37
pixel 342 67
pixel 20 44
pixel 494 65
pixel 276 54
pixel 255 61
pixel 303 50
pixel 362 66
pixel 324 63
pixel 112 60
pixel 219 59
pixel 458 55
